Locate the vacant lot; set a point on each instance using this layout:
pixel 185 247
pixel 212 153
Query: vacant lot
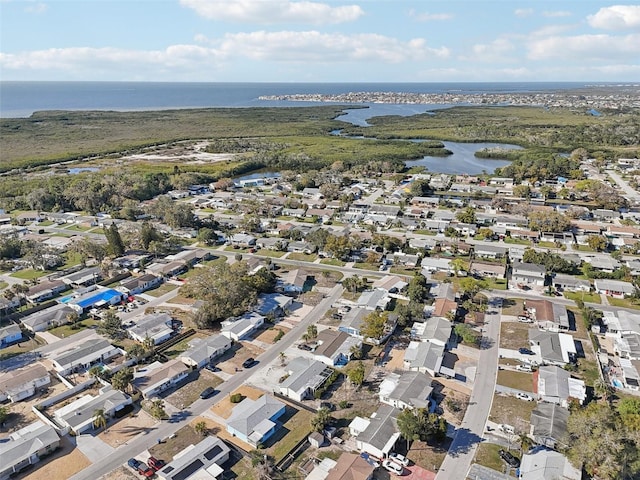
pixel 171 446
pixel 514 335
pixel 128 428
pixel 512 306
pixel 512 411
pixel 487 455
pixel 190 392
pixel 121 473
pixel 224 406
pixel 269 335
pixel 428 455
pixel 297 425
pixel 518 380
pixel 233 358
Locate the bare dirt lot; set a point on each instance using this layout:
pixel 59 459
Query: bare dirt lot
pixel 233 358
pixel 64 463
pixel 268 336
pixel 514 335
pixel 512 411
pixel 128 428
pixel 120 473
pixel 190 392
pixel 224 406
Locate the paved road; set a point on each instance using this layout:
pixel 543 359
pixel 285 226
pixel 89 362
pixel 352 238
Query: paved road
pixel 166 428
pixel 470 433
pixel 629 192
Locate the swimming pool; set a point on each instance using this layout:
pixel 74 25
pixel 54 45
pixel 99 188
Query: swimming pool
pixel 617 383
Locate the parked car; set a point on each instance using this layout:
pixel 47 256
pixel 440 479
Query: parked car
pixel 509 458
pixel 145 470
pixel 525 351
pixel 524 368
pixel 304 346
pixel 207 392
pixel 249 362
pixel 328 405
pixel 524 396
pixel 398 458
pixel 523 319
pixel 370 460
pixel 155 463
pixel 133 463
pixel 393 467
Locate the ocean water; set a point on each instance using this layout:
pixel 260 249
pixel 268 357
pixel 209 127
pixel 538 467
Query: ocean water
pixel 21 99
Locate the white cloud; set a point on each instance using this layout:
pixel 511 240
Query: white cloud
pixel 36 8
pixel 556 14
pixel 268 12
pixel 616 17
pixel 497 50
pixel 585 47
pixel 313 46
pixel 429 17
pixel 523 12
pixel 551 30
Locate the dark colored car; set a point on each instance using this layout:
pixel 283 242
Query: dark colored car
pixel 525 351
pixel 249 362
pixel 133 463
pixel 509 458
pixel 207 392
pixel 304 347
pixel 155 463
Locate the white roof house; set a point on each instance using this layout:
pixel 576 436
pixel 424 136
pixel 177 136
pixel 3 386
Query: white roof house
pixel 202 351
pixel 16 385
pixel 26 446
pixel 542 463
pixel 556 385
pixel 407 390
pixel 83 355
pixel 156 326
pixel 377 435
pixel 79 415
pixel 157 377
pixel 424 357
pixel 242 328
pixel 305 377
pixel 435 330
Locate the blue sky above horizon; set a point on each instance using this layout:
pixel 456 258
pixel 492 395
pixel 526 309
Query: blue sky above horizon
pixel 319 41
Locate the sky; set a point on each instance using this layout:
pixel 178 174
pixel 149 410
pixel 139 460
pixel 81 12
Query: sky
pixel 319 40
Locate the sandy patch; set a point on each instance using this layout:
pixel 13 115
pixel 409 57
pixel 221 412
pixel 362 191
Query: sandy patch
pixel 120 473
pixel 231 361
pixel 63 464
pixel 395 360
pixel 224 406
pixel 128 428
pixel 268 336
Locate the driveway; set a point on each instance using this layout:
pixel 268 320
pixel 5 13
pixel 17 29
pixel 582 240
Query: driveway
pixel 93 447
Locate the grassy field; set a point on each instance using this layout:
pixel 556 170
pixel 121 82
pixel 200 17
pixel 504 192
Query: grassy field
pixel 487 455
pixel 332 261
pixel 511 411
pixel 162 289
pixel 295 428
pixel 65 331
pixel 518 380
pixel 514 335
pixel 302 257
pixel 623 302
pixel 29 274
pixel 587 297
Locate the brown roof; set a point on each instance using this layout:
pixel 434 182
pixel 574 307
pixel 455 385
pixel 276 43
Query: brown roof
pixel 350 466
pixel 543 308
pixel 330 342
pixel 442 306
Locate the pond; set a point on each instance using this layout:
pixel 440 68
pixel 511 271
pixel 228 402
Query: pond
pixel 463 160
pixel 76 170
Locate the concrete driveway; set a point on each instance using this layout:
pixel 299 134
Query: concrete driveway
pixel 93 447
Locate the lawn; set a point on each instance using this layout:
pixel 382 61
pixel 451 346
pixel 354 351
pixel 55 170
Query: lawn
pixel 496 283
pixel 623 302
pixel 366 266
pixel 404 271
pixel 71 260
pixel 511 411
pixel 17 349
pixel 181 346
pixel 65 331
pixel 428 456
pixel 302 257
pixel 79 228
pixel 487 455
pixel 3 285
pixel 332 261
pixel 29 274
pixel 518 380
pixel 516 241
pixel 162 289
pixel 297 427
pixel 512 306
pixel 514 335
pixel 587 297
pixel 588 370
pixel 270 253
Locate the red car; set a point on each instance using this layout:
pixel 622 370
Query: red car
pixel 155 463
pixel 145 470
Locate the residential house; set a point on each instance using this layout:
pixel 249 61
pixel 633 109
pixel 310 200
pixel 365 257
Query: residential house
pixel 527 274
pixel 254 421
pixel 242 240
pixel 140 284
pixel 432 264
pixel 436 330
pixel 45 290
pixel 554 348
pixel 406 390
pixel 542 463
pixel 54 316
pixel 555 385
pixel 371 300
pixel 570 283
pixel 158 377
pixel 78 416
pixel 425 357
pixel 7 305
pixel 16 385
pixel 154 326
pixel 352 323
pixel 335 348
pixel 604 264
pixel 166 269
pixel 549 424
pixel 495 270
pixel 305 377
pixel 604 214
pixel 84 277
pixel 301 247
pixel 548 315
pixel 273 304
pixel 83 355
pixel 350 466
pixel 614 288
pixel 204 458
pixel 243 327
pixel 190 256
pixel 97 298
pixel 202 351
pixel 10 335
pixel 25 447
pixel 378 434
pixel 293 281
pixel 392 284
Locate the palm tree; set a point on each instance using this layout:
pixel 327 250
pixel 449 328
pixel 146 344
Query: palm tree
pixel 525 442
pixel 201 428
pixel 457 264
pixel 312 331
pixel 283 358
pixel 603 389
pixel 99 419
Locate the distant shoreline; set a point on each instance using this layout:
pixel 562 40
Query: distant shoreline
pixel 588 97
